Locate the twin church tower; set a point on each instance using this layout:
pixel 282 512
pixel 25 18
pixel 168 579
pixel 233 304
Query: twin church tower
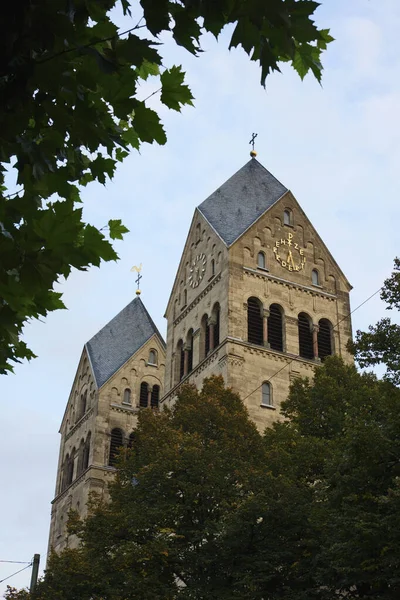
pixel 257 298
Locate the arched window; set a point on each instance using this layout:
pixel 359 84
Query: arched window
pixel 205 336
pixel 82 405
pixel 127 396
pixel 155 396
pixel 115 444
pixel 306 349
pixel 216 317
pixel 152 357
pixel 266 395
pixel 132 440
pixel 184 297
pixel 261 260
pixel 180 358
pixel 315 277
pixel 189 347
pixel 70 468
pixel 324 338
pixel 86 452
pixel 255 332
pixel 275 328
pixel 67 477
pixel 81 452
pixel 212 268
pixel 144 394
pixel 287 217
pixel 198 233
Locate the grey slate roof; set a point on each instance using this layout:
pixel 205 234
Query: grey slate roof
pixel 241 200
pixel 115 343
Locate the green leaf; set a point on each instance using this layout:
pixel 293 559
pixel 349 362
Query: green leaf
pixel 147 125
pixel 116 228
pixel 147 68
pixel 175 93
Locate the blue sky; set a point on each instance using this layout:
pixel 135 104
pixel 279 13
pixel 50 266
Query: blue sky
pixel 336 147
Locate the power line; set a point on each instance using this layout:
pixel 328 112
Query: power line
pixel 17 562
pixel 298 355
pixel 16 572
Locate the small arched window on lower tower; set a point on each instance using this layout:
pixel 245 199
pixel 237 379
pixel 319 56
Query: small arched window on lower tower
pixel 261 264
pixel 189 349
pixel 306 349
pixel 266 394
pixel 86 452
pixel 127 396
pixel 215 316
pixel 117 440
pixel 144 394
pixel 205 336
pixel 275 327
pixel 155 396
pixel 132 440
pixel 324 338
pixel 255 327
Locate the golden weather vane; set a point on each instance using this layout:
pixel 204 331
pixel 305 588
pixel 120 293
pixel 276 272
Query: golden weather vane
pixel 253 153
pixel 139 277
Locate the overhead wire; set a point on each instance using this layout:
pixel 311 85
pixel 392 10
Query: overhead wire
pixel 16 572
pixel 298 355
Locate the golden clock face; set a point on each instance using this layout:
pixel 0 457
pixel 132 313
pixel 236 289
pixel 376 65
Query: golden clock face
pixel 289 254
pixel 197 270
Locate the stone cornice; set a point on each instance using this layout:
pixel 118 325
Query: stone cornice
pixel 79 423
pixel 291 284
pixel 124 409
pixel 80 479
pixel 187 310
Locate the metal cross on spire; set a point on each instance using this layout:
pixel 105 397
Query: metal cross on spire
pixel 253 153
pixel 139 277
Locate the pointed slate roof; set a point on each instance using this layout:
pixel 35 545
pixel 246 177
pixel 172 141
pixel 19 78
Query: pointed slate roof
pixel 115 343
pixel 241 200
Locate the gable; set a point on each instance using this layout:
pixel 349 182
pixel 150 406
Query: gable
pixel 241 200
pixel 115 343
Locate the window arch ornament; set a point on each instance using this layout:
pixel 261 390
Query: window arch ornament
pixel 266 394
pixel 261 262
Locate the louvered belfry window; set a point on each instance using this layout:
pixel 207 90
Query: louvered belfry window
pixel 275 328
pixel 216 327
pixel 190 350
pixel 155 396
pixel 143 397
pixel 324 339
pixel 181 363
pixel 115 443
pixel 254 322
pixel 305 337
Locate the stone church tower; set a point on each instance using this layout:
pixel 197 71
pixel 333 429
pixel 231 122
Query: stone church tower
pixel 121 370
pixel 257 298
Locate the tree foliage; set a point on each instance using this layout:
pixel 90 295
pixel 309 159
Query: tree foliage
pixel 380 345
pixel 71 109
pixel 204 506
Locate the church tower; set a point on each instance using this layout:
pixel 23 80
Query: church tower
pixel 121 370
pixel 257 298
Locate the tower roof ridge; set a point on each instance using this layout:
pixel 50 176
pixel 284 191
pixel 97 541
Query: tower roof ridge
pixel 241 200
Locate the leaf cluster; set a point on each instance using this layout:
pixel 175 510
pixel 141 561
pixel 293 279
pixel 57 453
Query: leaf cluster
pixel 70 110
pixel 380 345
